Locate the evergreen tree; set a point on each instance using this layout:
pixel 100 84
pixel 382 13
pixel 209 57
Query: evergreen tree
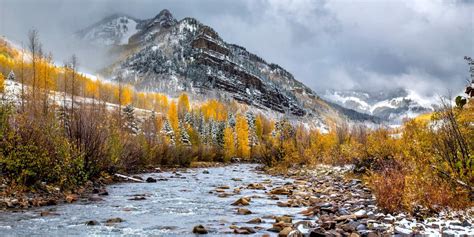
pixel 167 130
pixel 130 122
pixel 184 136
pixel 11 76
pixel 252 131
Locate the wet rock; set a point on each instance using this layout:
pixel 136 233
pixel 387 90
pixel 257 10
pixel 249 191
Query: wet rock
pixel 200 229
pixel 236 179
pixel 244 230
pixel 280 191
pixel 235 160
pixel 318 232
pixel 48 213
pixel 243 211
pixel 328 225
pixel 285 219
pixel 361 213
pixel 92 222
pixel 150 180
pixel 137 177
pixel 137 198
pixel 256 186
pixel 223 187
pixel 345 217
pixel 255 221
pixel 205 172
pixel 100 191
pixel 95 198
pixel 243 201
pixel 114 220
pixel 71 198
pixel 274 197
pixel 466 223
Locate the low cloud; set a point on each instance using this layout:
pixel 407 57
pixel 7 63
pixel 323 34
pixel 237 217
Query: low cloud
pixel 326 44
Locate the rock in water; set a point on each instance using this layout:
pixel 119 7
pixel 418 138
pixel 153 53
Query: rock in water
pixel 151 180
pixel 200 229
pixel 114 220
pixel 244 230
pixel 244 201
pixel 92 222
pixel 243 211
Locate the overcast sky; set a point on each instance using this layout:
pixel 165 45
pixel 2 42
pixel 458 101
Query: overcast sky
pixel 340 44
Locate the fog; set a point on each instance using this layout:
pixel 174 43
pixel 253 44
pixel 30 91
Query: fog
pixel 330 44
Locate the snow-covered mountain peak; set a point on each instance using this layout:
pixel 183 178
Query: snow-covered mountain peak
pixel 115 29
pixel 164 19
pixel 390 105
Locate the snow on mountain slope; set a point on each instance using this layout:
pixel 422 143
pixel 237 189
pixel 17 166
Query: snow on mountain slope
pixel 392 106
pixel 113 30
pixel 170 56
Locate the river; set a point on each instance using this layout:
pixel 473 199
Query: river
pixel 172 207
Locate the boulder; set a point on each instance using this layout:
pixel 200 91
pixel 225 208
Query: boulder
pixel 150 180
pixel 200 229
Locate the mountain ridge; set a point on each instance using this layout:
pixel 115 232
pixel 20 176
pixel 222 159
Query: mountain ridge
pixel 187 55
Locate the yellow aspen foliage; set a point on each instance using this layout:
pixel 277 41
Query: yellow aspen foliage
pixel 229 144
pixel 183 104
pixel 2 83
pixel 127 95
pixel 173 117
pixel 242 130
pixel 259 126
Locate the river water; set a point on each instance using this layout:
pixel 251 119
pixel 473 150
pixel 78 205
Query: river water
pixel 172 207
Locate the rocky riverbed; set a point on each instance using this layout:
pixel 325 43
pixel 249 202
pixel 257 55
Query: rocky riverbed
pixel 235 199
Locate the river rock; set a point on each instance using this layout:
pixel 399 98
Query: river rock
pixel 205 172
pixel 150 180
pixel 200 229
pixel 92 222
pixel 256 186
pixel 48 213
pixel 243 211
pixel 285 219
pixel 137 198
pixel 236 179
pixel 70 198
pixel 95 198
pixel 223 187
pixel 289 232
pixel 100 191
pixel 244 230
pixel 255 221
pixel 280 191
pixel 114 220
pixel 243 201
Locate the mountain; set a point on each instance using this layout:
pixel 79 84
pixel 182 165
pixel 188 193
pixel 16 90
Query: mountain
pixel 113 30
pixel 390 105
pixel 171 56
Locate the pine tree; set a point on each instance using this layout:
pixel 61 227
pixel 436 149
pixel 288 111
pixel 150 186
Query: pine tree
pixel 252 131
pixel 184 136
pixel 11 76
pixel 167 131
pixel 130 122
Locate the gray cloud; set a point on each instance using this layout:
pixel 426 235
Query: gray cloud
pixel 325 44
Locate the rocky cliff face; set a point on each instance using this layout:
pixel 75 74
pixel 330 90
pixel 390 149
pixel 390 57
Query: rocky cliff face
pixel 166 55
